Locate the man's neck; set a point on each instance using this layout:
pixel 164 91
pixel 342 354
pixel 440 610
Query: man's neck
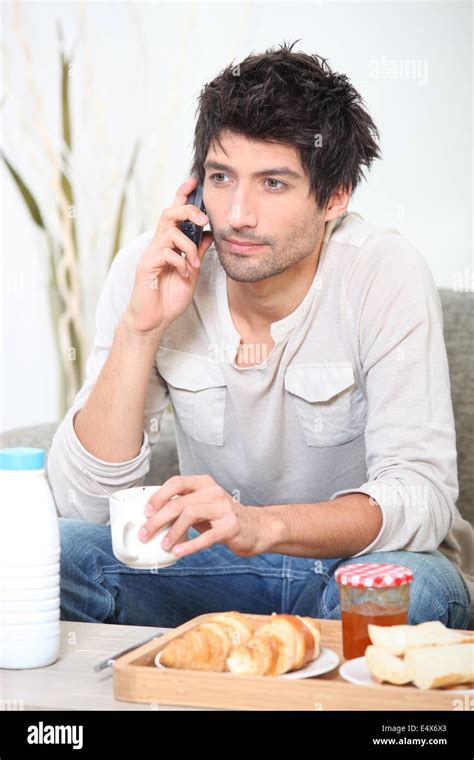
pixel 259 304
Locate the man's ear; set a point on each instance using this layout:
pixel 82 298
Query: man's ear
pixel 338 203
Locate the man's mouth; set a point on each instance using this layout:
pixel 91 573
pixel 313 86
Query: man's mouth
pixel 239 246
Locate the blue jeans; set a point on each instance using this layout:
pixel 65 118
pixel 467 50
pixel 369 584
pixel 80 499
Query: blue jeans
pixel 96 587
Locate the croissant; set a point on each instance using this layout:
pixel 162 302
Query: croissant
pixel 207 646
pixel 287 642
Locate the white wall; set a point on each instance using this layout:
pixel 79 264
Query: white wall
pixel 138 69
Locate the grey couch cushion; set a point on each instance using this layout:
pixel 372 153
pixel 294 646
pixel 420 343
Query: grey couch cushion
pixel 458 315
pixel 458 318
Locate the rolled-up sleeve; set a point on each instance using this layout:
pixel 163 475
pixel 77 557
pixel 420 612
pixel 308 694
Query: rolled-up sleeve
pixel 410 435
pixel 71 469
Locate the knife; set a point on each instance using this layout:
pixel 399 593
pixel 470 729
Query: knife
pixel 109 661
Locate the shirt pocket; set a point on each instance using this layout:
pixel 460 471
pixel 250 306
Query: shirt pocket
pixel 331 408
pixel 198 392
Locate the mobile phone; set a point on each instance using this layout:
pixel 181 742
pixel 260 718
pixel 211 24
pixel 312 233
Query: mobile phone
pixel 190 229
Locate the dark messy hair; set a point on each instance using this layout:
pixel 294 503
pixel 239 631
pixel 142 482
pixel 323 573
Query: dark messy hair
pixel 291 98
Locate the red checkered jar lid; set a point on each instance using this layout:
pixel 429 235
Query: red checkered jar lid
pixel 373 575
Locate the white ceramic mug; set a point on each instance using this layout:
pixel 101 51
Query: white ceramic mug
pixel 127 515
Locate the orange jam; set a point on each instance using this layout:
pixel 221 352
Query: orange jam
pixel 377 593
pixel 355 627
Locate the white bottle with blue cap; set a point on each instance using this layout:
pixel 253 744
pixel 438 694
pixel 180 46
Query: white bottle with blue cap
pixel 29 562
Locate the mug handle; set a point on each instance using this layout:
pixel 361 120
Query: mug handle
pixel 118 540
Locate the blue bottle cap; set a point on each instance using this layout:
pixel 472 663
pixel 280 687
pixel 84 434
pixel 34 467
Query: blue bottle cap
pixel 21 458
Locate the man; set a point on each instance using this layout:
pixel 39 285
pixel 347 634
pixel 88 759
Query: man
pixel 302 350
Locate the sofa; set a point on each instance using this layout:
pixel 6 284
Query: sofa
pixel 458 319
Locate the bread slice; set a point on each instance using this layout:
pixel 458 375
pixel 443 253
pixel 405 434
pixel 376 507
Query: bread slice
pixel 386 667
pixel 397 639
pixel 432 667
pixel 427 667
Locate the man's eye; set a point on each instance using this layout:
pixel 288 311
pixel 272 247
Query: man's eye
pixel 218 174
pixel 270 179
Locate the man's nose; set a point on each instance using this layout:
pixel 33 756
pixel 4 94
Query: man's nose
pixel 241 215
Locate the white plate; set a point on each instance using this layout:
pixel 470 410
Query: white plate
pixel 327 660
pixel 357 671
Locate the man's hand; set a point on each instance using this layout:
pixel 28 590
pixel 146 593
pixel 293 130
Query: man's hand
pixel 207 507
pixel 165 281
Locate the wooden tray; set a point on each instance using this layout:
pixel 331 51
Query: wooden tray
pixel 136 678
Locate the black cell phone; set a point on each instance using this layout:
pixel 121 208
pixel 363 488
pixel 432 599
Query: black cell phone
pixel 190 229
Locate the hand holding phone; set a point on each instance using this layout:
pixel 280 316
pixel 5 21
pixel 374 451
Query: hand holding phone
pixel 165 280
pixel 192 230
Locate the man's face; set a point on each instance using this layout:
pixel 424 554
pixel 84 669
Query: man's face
pixel 271 208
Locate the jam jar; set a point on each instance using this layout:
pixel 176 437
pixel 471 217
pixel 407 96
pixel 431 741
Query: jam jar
pixel 377 593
